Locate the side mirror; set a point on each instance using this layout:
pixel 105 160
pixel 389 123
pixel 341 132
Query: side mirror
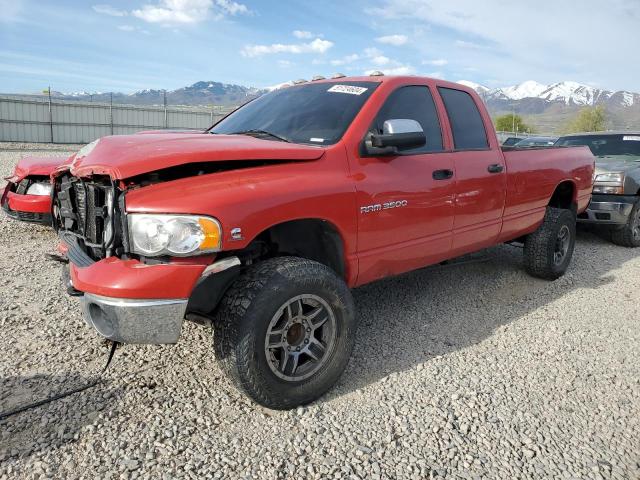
pixel 398 134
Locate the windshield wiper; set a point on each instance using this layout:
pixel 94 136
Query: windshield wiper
pixel 261 132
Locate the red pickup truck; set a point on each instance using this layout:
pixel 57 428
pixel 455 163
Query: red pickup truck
pixel 261 225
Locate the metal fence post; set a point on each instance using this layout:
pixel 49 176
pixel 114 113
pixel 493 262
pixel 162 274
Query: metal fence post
pixel 111 111
pixel 165 108
pixel 50 115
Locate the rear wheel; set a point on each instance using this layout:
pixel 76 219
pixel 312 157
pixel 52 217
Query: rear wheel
pixel 548 250
pixel 285 330
pixel 629 235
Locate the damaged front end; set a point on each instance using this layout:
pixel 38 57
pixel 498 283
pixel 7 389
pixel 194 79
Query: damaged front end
pixel 27 195
pixel 28 199
pixel 125 296
pixel 89 217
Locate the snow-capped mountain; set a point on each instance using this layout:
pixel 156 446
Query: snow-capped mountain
pixel 278 86
pixel 569 93
pixel 526 89
pixel 476 86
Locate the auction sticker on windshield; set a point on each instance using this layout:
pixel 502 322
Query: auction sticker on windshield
pixel 347 89
pixel 631 138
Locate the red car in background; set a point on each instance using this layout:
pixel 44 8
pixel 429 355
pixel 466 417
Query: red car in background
pixel 27 195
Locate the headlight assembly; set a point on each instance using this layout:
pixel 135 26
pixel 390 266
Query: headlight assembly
pixel 154 235
pixel 39 188
pixel 609 183
pixel 610 178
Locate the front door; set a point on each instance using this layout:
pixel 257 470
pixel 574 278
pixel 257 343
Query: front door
pixel 405 202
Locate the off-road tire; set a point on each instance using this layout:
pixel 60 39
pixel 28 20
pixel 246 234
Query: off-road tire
pixel 540 246
pixel 242 321
pixel 626 236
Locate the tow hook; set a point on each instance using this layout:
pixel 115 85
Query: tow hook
pixel 68 285
pixel 66 277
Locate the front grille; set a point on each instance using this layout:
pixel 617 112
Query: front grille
pixel 87 210
pixel 80 206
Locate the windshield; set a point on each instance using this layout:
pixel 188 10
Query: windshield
pixel 606 145
pixel 313 113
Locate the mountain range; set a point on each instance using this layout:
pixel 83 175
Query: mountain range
pixel 200 93
pixel 570 93
pixel 549 107
pixel 546 107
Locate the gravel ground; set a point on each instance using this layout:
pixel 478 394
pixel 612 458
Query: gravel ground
pixel 472 370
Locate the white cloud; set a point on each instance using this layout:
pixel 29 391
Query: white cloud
pixel 440 62
pixel 372 52
pixel 316 46
pixel 302 34
pixel 109 10
pixel 188 11
pixel 232 8
pixel 381 60
pixel 606 30
pixel 345 60
pixel 470 45
pixel 395 40
pixel 285 63
pixel 435 74
pixel 131 28
pixel 400 70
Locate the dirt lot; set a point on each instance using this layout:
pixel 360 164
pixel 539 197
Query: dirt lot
pixel 471 370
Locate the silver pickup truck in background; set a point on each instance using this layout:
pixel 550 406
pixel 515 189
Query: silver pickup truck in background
pixel 616 190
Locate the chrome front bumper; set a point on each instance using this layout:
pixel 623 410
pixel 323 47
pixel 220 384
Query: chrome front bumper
pixel 610 213
pixel 134 320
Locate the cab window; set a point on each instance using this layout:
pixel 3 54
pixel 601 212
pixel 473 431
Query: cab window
pixel 414 103
pixel 466 122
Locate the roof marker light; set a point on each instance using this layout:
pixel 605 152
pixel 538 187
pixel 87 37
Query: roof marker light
pixel 299 81
pixel 338 75
pixel 317 77
pixel 376 73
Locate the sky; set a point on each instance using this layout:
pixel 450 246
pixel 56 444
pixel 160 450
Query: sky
pixel 167 44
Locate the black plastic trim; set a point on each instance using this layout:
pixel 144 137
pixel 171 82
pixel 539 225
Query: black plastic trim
pixel 75 253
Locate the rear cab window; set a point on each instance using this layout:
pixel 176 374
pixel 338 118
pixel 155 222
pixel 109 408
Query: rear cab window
pixel 467 126
pixel 413 102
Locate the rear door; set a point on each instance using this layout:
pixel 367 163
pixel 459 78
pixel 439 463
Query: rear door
pixel 405 202
pixel 480 175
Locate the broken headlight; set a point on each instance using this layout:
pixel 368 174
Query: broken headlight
pixel 174 235
pixel 39 188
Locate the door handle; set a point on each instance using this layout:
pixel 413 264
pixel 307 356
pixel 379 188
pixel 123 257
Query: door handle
pixel 444 174
pixel 495 168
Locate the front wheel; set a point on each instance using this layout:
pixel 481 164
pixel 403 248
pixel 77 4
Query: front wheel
pixel 548 250
pixel 285 330
pixel 629 235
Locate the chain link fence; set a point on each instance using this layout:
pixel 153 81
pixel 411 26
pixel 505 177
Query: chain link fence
pixel 40 120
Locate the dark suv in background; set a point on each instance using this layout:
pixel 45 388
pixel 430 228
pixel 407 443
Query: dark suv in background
pixel 616 190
